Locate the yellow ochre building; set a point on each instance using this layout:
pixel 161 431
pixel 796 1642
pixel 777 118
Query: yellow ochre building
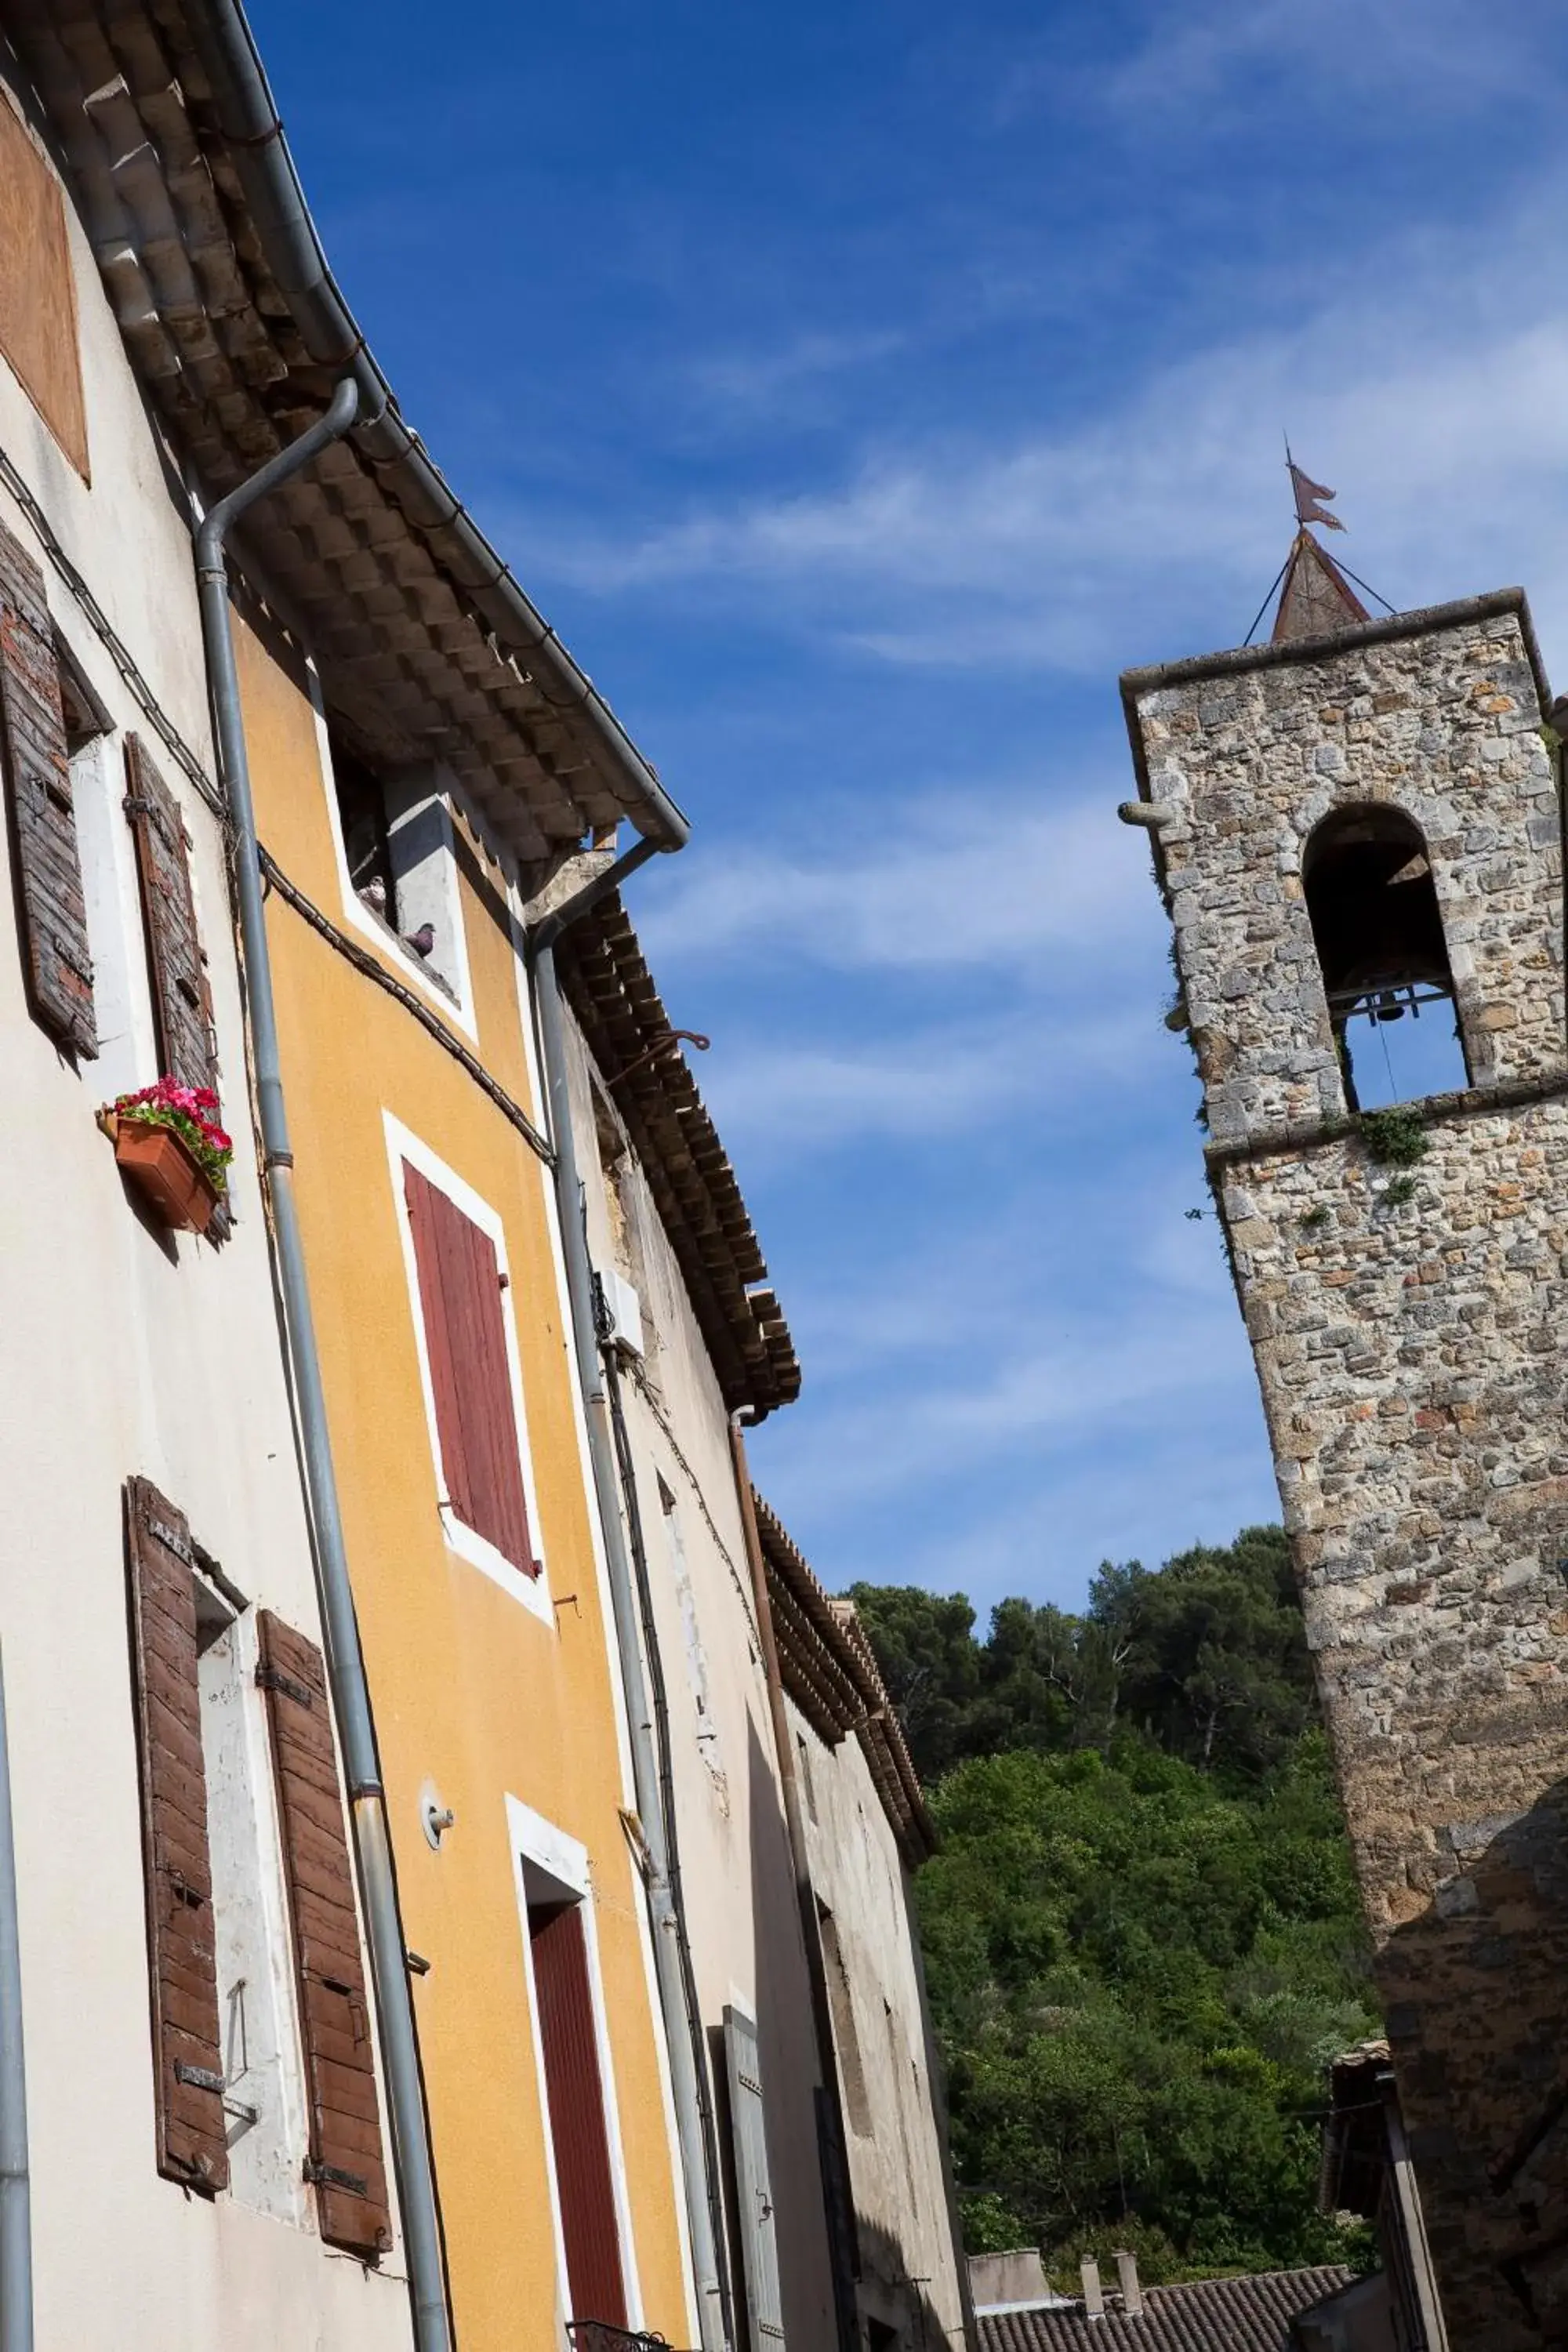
pixel 438 1292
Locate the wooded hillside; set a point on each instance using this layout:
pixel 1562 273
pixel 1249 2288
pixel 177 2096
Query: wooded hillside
pixel 1142 1930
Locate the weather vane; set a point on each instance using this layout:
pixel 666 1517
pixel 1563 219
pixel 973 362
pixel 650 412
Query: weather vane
pixel 1316 598
pixel 1309 496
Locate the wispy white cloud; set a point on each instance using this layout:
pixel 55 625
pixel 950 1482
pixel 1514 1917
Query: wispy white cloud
pixel 1197 70
pixel 1082 1381
pixel 755 382
pixel 982 875
pixel 1430 393
pixel 923 1079
pixel 1338 53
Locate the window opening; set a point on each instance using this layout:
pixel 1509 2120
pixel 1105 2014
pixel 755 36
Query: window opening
pixel 1379 934
pixel 227 2095
pixel 806 1780
pixel 399 850
pixel 847 2039
pixel 367 845
pixel 623 1214
pixel 460 1301
pixel 247 1941
pixel 756 2215
pixel 574 2092
pixel 85 717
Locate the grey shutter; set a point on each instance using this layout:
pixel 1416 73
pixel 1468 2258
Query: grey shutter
pixel 759 2233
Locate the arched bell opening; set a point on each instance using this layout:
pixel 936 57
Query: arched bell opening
pixel 1384 959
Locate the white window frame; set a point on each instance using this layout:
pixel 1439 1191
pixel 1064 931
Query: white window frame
pixel 252 1939
pixel 404 1148
pixel 112 894
pixel 561 1859
pixel 456 1002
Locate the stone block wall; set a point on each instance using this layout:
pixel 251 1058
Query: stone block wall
pixel 1439 715
pixel 1409 1328
pixel 1412 1362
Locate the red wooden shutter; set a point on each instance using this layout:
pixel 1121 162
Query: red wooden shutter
pixel 187 2055
pixel 45 860
pixel 345 2158
pixel 181 1006
pixel 465 1340
pixel 577 2133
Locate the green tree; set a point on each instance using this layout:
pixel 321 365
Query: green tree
pixel 1142 1930
pixel 1218 1669
pixel 930 1660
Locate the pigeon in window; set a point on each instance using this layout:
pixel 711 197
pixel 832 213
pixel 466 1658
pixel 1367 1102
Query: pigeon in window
pixel 422 941
pixel 374 893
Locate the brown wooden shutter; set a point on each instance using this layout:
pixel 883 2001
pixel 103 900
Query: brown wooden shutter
pixel 465 1339
pixel 182 1005
pixel 576 2095
pixel 187 2055
pixel 345 2157
pixel 45 856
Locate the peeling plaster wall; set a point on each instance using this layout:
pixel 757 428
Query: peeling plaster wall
pixel 908 2274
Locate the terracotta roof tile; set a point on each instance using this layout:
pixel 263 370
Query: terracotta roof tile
pixel 1234 2315
pixel 828 1669
pixel 372 573
pixel 695 1190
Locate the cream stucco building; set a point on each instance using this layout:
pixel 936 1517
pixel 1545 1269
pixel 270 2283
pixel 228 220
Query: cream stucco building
pixel 158 1550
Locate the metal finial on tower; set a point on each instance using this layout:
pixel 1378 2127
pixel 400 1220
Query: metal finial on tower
pixel 1316 598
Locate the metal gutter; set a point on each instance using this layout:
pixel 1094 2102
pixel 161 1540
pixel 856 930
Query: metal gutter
pixel 345 1660
pixel 259 152
pixel 670 1965
pixel 16 2186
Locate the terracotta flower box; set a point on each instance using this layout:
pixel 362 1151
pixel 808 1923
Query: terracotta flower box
pixel 157 1162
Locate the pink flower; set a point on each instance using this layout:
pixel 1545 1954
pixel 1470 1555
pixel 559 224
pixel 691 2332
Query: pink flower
pixel 186 1109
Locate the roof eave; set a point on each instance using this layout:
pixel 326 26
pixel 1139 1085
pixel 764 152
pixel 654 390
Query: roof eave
pixel 288 239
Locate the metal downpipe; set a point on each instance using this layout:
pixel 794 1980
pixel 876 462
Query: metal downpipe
pixel 345 1660
pixel 16 2186
pixel 667 1927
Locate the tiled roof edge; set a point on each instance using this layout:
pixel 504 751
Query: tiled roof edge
pixel 695 1187
pixel 831 1673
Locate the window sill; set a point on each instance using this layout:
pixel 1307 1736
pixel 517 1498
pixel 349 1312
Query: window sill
pixel 410 958
pixel 533 1592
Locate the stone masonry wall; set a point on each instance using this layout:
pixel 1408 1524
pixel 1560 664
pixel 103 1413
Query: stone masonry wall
pixel 1413 1376
pixel 1443 724
pixel 1409 1331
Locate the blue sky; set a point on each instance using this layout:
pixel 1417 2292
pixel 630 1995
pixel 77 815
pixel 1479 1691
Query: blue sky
pixel 858 387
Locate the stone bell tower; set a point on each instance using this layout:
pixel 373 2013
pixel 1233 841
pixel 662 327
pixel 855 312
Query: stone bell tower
pixel 1349 825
